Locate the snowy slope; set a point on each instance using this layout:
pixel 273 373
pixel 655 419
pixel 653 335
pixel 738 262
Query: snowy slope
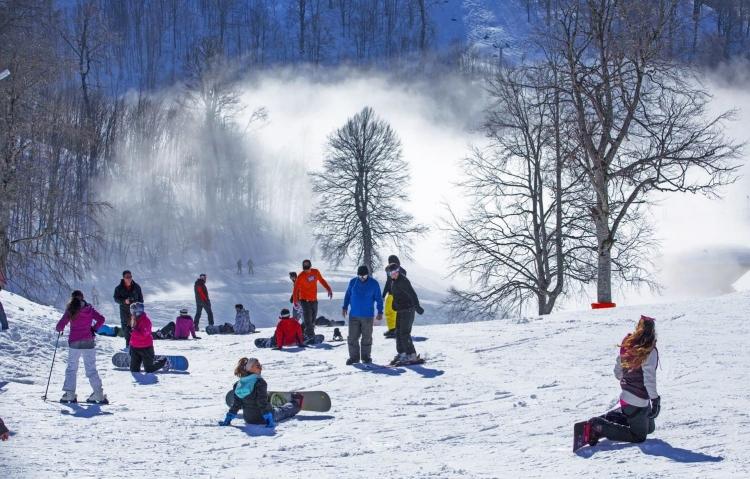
pixel 496 399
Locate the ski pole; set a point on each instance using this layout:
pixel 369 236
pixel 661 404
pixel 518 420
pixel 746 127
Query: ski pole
pixel 57 341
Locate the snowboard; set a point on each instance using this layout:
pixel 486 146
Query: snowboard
pixel 580 435
pixel 318 401
pixel 419 360
pixel 178 363
pixel 268 342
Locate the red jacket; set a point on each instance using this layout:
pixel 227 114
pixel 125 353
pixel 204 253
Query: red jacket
pixel 288 333
pixel 201 292
pixel 306 286
pixel 140 336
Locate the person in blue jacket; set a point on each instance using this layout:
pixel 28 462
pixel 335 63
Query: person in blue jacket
pixel 362 295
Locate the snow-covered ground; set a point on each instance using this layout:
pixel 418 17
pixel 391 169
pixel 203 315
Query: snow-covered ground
pixel 495 399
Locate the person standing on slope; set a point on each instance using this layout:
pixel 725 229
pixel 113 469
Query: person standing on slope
pixel 239 266
pixel 390 314
pixel 83 320
pixel 202 302
pixel 141 342
pixel 306 295
pixel 296 310
pixel 250 266
pixel 640 402
pixel 251 395
pixel 405 303
pixel 362 292
pixel 127 293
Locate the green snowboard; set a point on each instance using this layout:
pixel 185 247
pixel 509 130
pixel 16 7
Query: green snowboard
pixel 318 401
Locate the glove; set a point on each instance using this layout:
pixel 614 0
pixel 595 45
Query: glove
pixel 655 408
pixel 269 420
pixel 93 331
pixel 227 419
pixel 420 310
pixel 330 295
pixel 196 337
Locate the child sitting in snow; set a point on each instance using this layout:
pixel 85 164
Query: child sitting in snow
pixel 184 326
pixel 288 332
pixel 251 395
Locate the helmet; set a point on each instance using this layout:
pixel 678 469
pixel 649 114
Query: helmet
pixel 136 309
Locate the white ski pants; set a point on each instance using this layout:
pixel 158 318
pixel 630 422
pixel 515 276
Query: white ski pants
pixel 89 364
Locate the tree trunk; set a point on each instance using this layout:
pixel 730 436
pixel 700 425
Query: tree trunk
pixel 604 258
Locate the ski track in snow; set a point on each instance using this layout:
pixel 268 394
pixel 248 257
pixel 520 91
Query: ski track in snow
pixel 494 399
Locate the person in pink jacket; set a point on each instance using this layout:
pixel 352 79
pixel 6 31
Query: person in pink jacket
pixel 83 320
pixel 142 343
pixel 184 327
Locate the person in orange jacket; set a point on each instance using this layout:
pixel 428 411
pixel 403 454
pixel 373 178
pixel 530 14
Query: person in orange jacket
pixel 306 295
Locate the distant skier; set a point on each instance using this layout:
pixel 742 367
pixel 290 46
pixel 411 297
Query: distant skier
pixel 250 266
pixel 127 293
pixel 3 317
pixel 239 266
pixel 390 314
pixel 184 326
pixel 251 395
pixel 242 323
pixel 405 303
pixel 141 342
pixel 83 320
pixel 4 432
pixel 202 302
pixel 640 402
pixel 94 297
pixel 288 331
pixel 306 295
pixel 363 292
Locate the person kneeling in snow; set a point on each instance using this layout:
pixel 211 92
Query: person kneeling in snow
pixel 142 342
pixel 251 395
pixel 639 401
pixel 84 320
pixel 184 326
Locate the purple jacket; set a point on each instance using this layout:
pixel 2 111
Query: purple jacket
pixel 184 327
pixel 81 324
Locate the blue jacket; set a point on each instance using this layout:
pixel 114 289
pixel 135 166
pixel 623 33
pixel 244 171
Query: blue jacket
pixel 361 296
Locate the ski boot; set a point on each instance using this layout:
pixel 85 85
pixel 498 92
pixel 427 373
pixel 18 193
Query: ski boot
pixel 351 361
pixel 390 334
pixel 69 397
pixel 98 397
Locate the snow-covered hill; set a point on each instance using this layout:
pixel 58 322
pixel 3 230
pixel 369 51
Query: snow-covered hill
pixel 495 399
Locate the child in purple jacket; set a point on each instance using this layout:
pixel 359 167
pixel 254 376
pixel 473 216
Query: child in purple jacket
pixel 84 321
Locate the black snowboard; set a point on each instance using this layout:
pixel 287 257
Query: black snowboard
pixel 580 436
pixel 269 342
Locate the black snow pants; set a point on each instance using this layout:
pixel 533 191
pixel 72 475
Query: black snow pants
pixel 147 357
pixel 200 306
pixel 627 424
pixel 404 322
pixel 309 313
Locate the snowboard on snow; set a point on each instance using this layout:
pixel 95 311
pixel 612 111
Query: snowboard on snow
pixel 580 435
pixel 268 342
pixel 219 329
pixel 318 401
pixel 178 363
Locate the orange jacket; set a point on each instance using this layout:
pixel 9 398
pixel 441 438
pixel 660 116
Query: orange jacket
pixel 306 286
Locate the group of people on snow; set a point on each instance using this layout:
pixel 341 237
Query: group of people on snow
pixel 249 266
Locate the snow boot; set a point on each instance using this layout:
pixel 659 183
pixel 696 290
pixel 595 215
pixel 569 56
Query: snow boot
pixel 367 360
pixel 399 358
pixel 412 357
pixel 351 361
pixel 337 335
pixel 98 397
pixel 69 397
pixel 391 334
pixel 591 433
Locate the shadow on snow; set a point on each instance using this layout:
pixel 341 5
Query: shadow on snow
pixel 653 447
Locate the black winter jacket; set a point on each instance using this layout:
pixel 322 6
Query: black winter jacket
pixel 389 281
pixel 134 294
pixel 404 296
pixel 254 405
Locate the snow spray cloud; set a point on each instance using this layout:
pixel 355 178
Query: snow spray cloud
pixel 178 178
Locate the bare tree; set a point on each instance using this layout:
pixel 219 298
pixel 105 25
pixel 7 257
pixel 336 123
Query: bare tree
pixel 524 236
pixel 363 177
pixel 640 119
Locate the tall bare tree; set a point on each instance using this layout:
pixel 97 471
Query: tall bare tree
pixel 524 236
pixel 364 177
pixel 641 120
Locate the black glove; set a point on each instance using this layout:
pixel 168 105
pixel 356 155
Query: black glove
pixel 420 310
pixel 655 408
pixel 93 330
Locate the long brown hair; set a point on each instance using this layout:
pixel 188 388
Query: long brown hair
pixel 636 346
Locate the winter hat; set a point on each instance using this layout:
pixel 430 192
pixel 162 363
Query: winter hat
pixel 394 259
pixel 136 309
pixel 285 313
pixel 238 306
pixel 184 311
pixel 77 294
pixel 363 271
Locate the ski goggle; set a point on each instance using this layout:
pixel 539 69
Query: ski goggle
pixel 394 272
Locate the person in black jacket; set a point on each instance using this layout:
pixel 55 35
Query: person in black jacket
pixel 251 395
pixel 390 314
pixel 405 303
pixel 127 293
